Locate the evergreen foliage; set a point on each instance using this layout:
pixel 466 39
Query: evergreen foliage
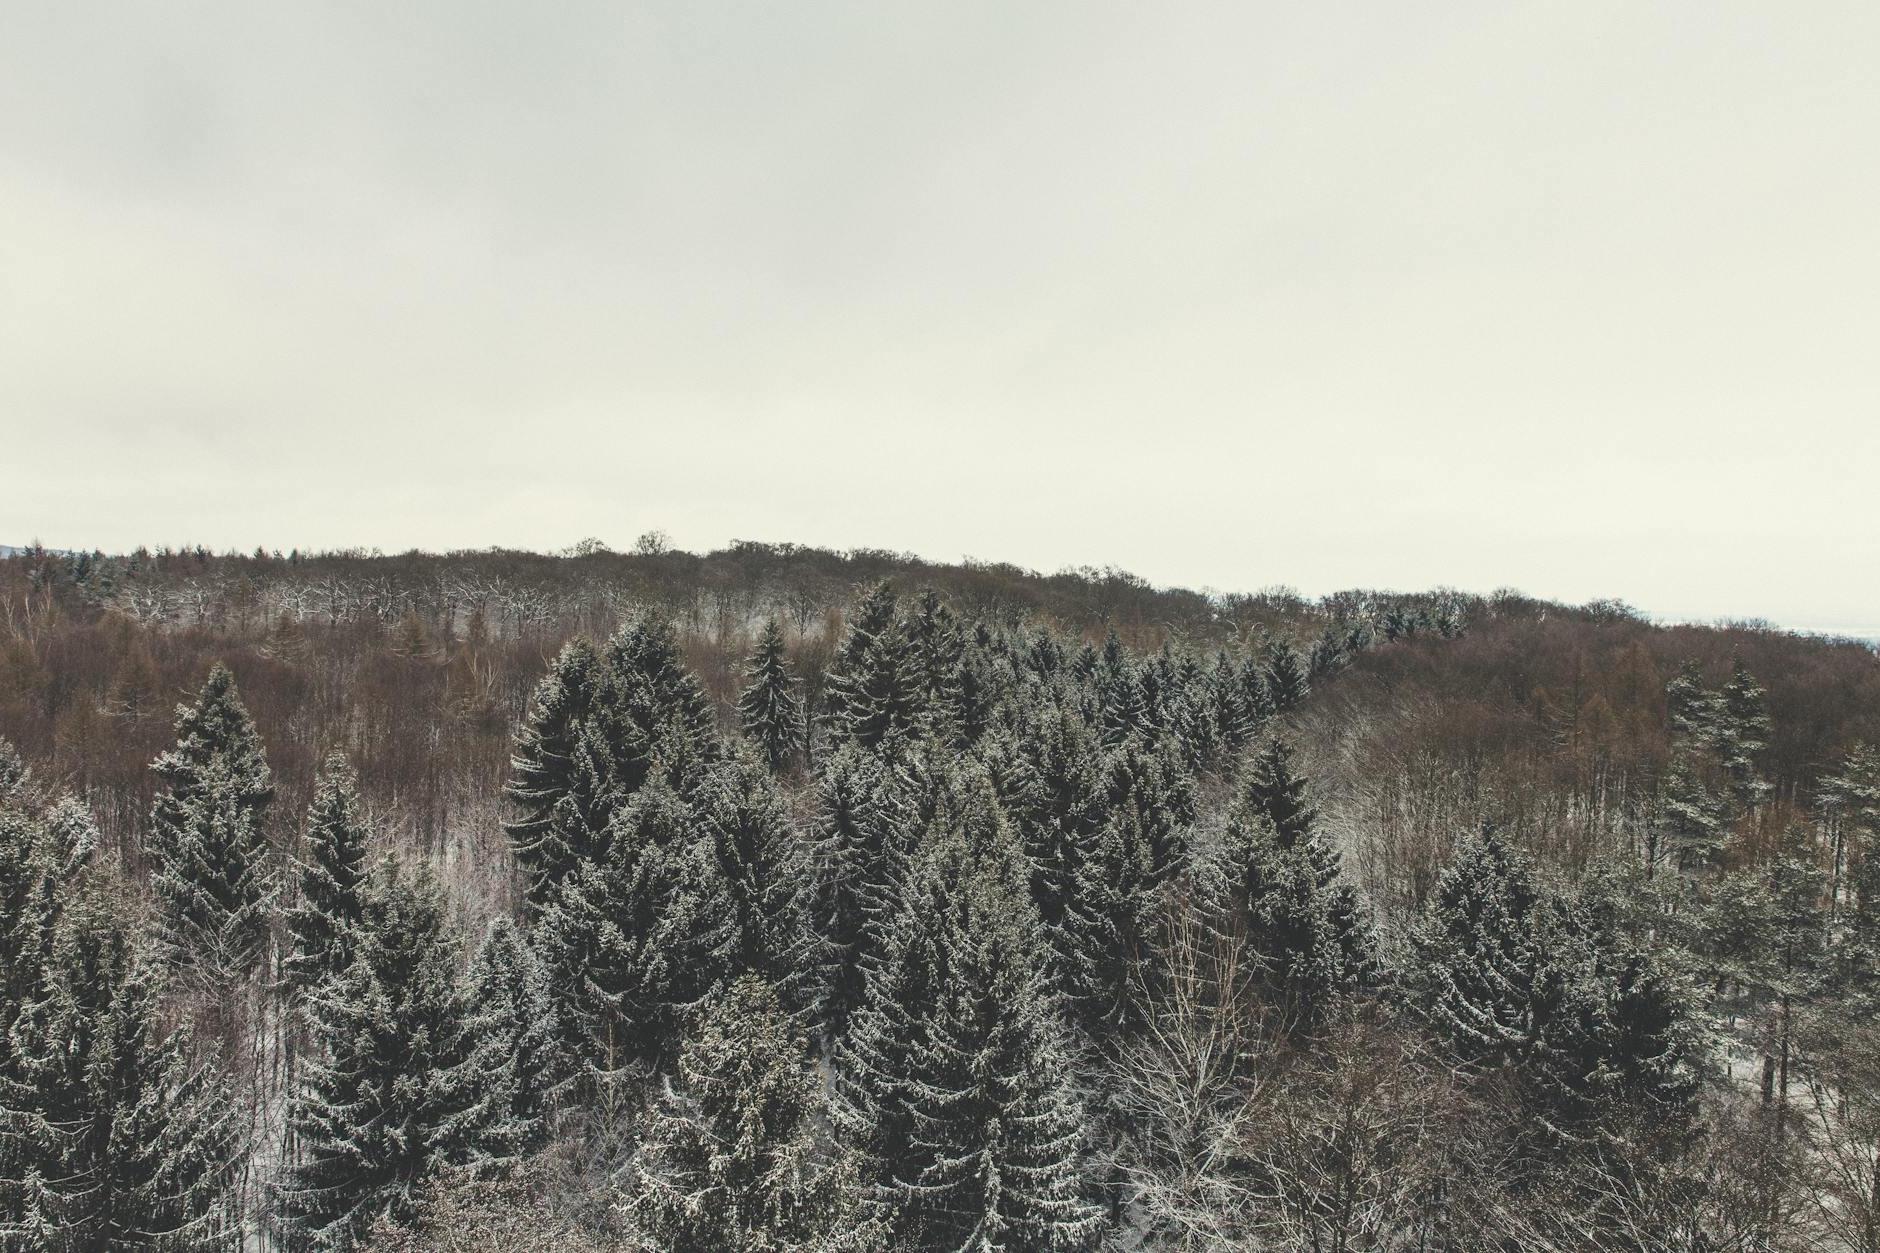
pixel 379 1102
pixel 768 709
pixel 615 943
pixel 953 1086
pixel 514 1068
pixel 872 696
pixel 854 880
pixel 1286 680
pixel 109 1138
pixel 1513 975
pixel 730 1157
pixel 213 878
pixel 553 823
pixel 331 878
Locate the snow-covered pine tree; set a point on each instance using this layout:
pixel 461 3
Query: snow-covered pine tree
pixel 656 714
pixel 1848 804
pixel 730 1156
pixel 214 882
pixel 331 879
pixel 765 877
pixel 1695 711
pixel 1119 694
pixel 15 775
pixel 1258 695
pixel 599 725
pixel 1744 736
pixel 1276 791
pixel 1233 715
pixel 1052 782
pixel 39 859
pixel 613 942
pixel 212 878
pixel 768 709
pixel 1286 681
pixel 515 1065
pixel 953 1086
pixel 1474 952
pixel 871 696
pixel 109 1139
pixel 1278 897
pixel 551 820
pixel 376 1111
pixel 1688 828
pixel 1513 975
pixel 936 660
pixel 855 880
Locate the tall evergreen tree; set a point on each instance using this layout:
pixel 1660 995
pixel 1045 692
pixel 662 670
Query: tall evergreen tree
pixel 953 1086
pixel 322 922
pixel 768 708
pixel 1744 737
pixel 552 824
pixel 936 661
pixel 599 726
pixel 608 939
pixel 730 1157
pixel 855 880
pixel 514 1067
pixel 377 1110
pixel 1285 675
pixel 212 878
pixel 1513 975
pixel 764 874
pixel 871 696
pixel 109 1139
pixel 1689 826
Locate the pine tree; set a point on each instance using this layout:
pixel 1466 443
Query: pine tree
pixel 1744 735
pixel 1285 675
pixel 768 709
pixel 1475 954
pixel 764 874
pixel 1054 789
pixel 1284 905
pixel 1848 802
pixel 1273 789
pixel 1695 711
pixel 1689 827
pixel 39 860
pixel 854 880
pixel 332 878
pixel 616 943
pixel 514 1069
pixel 1123 711
pixel 599 727
pixel 108 1138
pixel 1233 714
pixel 871 697
pixel 552 824
pixel 213 881
pixel 1512 975
pixel 730 1157
pixel 15 776
pixel 378 1105
pixel 953 1086
pixel 936 661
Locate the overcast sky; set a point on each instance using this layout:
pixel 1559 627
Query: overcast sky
pixel 1578 297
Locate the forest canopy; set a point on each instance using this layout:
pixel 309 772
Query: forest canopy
pixel 780 899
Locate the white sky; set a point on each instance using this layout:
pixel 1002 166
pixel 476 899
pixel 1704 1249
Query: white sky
pixel 1578 297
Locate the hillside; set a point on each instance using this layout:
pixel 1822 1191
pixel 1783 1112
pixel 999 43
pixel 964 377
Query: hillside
pixel 1374 921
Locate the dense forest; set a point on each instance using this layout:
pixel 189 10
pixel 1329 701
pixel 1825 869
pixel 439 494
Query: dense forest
pixel 781 899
